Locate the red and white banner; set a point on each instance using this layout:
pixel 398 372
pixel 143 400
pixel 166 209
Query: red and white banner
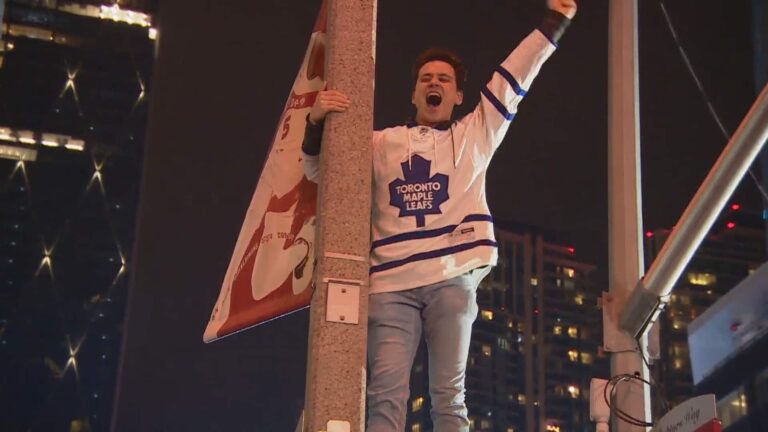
pixel 270 273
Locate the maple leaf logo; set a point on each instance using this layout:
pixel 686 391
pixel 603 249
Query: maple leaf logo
pixel 418 194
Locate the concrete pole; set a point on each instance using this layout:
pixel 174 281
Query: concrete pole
pixel 335 395
pixel 624 203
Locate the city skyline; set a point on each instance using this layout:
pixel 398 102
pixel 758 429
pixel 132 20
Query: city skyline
pixel 221 81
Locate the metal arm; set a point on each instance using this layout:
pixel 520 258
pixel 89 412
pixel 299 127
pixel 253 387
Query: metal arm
pixel 650 294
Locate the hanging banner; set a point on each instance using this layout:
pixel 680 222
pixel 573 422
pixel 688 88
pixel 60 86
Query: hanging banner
pixel 270 273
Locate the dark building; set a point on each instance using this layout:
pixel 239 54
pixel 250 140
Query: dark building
pixel 535 344
pixel 74 81
pixel 732 250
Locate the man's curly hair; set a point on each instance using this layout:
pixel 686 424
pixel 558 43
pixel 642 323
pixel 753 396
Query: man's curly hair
pixel 445 55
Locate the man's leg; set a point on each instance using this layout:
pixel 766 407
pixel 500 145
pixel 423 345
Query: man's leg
pixel 451 308
pixel 394 331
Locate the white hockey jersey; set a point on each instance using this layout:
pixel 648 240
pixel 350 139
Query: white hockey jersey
pixel 430 218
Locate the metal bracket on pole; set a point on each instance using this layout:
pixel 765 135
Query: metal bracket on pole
pixel 614 340
pixel 640 311
pixel 338 426
pixel 343 302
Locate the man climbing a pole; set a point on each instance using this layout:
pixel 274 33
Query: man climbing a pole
pixel 432 232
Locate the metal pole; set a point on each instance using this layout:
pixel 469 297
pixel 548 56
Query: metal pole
pixel 335 397
pixel 698 218
pixel 624 197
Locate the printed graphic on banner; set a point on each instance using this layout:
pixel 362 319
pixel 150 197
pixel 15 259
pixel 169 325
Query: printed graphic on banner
pixel 418 194
pixel 270 272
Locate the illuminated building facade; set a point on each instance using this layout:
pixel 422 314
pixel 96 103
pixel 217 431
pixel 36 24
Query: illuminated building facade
pixel 734 248
pixel 535 344
pixel 727 344
pixel 74 83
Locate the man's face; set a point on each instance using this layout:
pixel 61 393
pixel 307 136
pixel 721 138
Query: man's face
pixel 436 78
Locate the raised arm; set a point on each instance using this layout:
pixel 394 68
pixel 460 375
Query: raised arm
pixel 512 79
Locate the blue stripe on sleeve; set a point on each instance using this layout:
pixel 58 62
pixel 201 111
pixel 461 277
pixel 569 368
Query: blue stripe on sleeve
pixel 511 80
pixel 415 235
pixel 497 103
pixel 432 254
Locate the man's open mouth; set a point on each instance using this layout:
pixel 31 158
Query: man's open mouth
pixel 434 98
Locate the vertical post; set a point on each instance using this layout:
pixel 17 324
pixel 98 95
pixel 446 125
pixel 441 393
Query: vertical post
pixel 540 348
pixel 335 395
pixel 625 210
pixel 530 389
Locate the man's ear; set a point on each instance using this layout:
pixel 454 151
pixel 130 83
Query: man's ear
pixel 459 97
pixel 413 97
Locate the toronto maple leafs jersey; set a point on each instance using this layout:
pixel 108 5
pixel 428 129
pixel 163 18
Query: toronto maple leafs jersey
pixel 430 219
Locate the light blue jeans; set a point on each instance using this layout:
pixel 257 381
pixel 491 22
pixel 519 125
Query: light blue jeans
pixel 445 311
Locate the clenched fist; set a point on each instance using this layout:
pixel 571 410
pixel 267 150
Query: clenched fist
pixel 565 7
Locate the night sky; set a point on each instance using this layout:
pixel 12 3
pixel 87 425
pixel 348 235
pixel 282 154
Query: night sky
pixel 223 74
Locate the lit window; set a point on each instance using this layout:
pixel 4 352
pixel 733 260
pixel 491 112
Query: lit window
pixel 553 428
pixel 569 272
pixel 521 399
pixel 416 427
pixel 485 424
pixel 75 144
pixel 732 407
pixel 114 13
pixel 573 332
pixel 586 358
pixel 534 281
pixel 678 363
pixel 487 315
pixel 503 343
pixel 573 355
pixel 557 330
pixel 30 32
pixel 510 429
pixel 487 350
pixel 573 391
pixel 26 137
pixel 702 279
pixel 5 134
pixel 17 153
pixel 417 404
pixel 678 350
pixel 579 299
